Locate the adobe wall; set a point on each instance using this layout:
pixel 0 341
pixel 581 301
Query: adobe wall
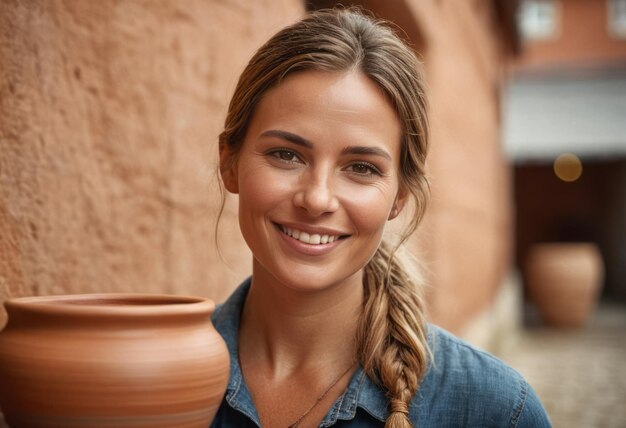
pixel 466 237
pixel 109 116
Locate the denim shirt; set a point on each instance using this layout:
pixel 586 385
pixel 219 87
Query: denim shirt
pixel 463 387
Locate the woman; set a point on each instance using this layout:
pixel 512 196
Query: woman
pixel 325 142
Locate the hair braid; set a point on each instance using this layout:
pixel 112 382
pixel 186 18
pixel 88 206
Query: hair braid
pixel 392 337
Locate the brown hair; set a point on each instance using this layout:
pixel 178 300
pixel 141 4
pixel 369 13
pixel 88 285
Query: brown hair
pixel 391 338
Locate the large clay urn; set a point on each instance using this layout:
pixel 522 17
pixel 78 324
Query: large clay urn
pixel 564 281
pixel 111 360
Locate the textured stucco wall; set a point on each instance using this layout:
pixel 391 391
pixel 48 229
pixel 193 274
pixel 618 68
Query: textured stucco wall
pixel 109 116
pixel 466 237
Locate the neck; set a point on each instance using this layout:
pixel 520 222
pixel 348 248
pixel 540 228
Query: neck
pixel 290 329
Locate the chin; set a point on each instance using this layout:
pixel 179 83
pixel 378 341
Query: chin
pixel 316 279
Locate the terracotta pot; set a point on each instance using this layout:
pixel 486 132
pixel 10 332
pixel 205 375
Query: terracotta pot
pixel 564 281
pixel 111 360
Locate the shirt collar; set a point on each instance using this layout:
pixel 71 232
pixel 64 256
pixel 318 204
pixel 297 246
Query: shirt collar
pixel 361 391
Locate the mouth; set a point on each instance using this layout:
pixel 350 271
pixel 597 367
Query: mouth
pixel 309 238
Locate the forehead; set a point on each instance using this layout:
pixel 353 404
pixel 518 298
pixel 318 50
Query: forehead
pixel 342 107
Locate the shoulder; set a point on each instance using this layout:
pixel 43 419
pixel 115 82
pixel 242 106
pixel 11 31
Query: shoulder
pixel 230 310
pixel 482 390
pixel 469 364
pixel 225 317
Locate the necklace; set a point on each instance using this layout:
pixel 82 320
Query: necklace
pixel 320 398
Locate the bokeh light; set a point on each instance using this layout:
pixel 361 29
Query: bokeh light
pixel 568 167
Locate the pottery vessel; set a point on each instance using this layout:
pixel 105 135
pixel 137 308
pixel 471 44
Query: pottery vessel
pixel 111 360
pixel 564 281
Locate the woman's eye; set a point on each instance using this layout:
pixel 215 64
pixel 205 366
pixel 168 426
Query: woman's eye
pixel 285 155
pixel 365 169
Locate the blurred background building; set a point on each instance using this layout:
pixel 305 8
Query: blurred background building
pixel 564 134
pixel 565 129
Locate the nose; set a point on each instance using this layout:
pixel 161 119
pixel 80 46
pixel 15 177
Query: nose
pixel 316 193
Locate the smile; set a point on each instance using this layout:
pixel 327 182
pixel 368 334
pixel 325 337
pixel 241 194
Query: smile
pixel 309 238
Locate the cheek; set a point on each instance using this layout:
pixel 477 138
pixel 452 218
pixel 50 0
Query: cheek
pixel 261 189
pixel 369 208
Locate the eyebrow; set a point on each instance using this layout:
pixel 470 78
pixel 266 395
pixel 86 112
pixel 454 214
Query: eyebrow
pixel 366 150
pixel 351 150
pixel 292 138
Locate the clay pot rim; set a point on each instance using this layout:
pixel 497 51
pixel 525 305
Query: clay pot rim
pixel 127 304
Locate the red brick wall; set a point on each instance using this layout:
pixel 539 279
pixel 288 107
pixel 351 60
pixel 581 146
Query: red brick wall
pixel 582 38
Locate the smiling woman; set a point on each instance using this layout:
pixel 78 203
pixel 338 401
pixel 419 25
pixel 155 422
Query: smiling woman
pixel 325 142
pixel 319 159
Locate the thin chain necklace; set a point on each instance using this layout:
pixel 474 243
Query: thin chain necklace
pixel 320 398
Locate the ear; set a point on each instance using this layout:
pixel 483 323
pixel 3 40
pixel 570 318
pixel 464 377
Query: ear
pixel 228 168
pixel 399 203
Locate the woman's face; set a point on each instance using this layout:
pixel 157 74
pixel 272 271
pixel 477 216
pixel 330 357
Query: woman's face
pixel 317 177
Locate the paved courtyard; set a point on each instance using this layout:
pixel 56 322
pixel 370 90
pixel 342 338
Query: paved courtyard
pixel 580 375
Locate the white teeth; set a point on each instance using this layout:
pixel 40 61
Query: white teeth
pixel 314 239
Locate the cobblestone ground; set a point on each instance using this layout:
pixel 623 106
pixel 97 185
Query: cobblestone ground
pixel 580 375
